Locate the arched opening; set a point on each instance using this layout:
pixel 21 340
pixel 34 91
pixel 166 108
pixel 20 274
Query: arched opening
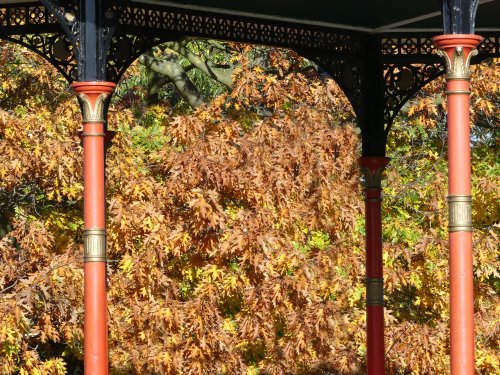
pixel 415 216
pixel 40 209
pixel 239 211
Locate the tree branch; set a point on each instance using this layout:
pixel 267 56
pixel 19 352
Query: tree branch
pixel 171 68
pixel 215 71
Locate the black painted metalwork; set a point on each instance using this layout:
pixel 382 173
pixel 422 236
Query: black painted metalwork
pixel 371 116
pixel 157 21
pixel 459 16
pixel 89 26
pixel 98 40
pixel 125 30
pixel 54 47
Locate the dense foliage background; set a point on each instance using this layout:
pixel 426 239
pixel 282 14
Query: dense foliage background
pixel 235 220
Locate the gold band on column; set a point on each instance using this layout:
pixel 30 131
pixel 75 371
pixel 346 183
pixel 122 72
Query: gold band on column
pixel 455 92
pixel 82 134
pixel 373 178
pixel 375 291
pixel 94 246
pixel 460 213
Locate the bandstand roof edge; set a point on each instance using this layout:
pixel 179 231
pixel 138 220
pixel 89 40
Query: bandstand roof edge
pixel 368 16
pixel 362 15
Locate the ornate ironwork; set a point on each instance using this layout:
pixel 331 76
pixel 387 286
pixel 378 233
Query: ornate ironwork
pixel 66 16
pixel 489 47
pixel 24 19
pixel 407 45
pixel 156 21
pixel 140 26
pixel 402 82
pixel 361 64
pixel 124 50
pixel 55 48
pixel 345 72
pixel 421 49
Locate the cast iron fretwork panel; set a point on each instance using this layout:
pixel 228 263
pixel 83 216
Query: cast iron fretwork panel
pixel 345 72
pixel 89 28
pixel 26 19
pixel 411 62
pixel 402 82
pixel 156 21
pixel 407 45
pixel 124 49
pixel 141 26
pixel 55 48
pixel 419 47
pixel 22 24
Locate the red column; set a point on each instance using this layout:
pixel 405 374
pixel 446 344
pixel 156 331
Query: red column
pixel 457 50
pixel 372 168
pixel 93 99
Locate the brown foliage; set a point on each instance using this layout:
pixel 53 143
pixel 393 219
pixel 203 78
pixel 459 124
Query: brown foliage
pixel 235 234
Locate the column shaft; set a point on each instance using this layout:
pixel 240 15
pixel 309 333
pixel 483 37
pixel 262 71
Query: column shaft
pixel 457 50
pixel 372 168
pixel 93 98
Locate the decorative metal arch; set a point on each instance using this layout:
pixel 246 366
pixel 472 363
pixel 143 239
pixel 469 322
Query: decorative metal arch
pixel 54 30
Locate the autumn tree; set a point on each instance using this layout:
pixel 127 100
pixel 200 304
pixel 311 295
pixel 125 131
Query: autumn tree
pixel 235 223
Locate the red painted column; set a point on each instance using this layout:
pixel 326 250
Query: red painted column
pixel 93 99
pixel 457 50
pixel 372 168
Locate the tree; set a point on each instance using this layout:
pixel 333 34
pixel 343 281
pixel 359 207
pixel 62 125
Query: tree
pixel 235 238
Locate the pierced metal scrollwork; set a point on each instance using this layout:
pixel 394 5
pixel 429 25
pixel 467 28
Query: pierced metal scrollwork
pixel 490 46
pixel 125 25
pixel 55 48
pixel 66 15
pixel 402 82
pixel 91 59
pixel 24 18
pixel 346 73
pixel 124 50
pixel 155 21
pixel 421 48
pixel 407 45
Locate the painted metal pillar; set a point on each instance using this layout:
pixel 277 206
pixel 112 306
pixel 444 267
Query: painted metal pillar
pixel 93 98
pixel 372 168
pixel 457 50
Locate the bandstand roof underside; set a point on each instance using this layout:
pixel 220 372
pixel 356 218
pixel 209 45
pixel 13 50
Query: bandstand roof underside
pixel 370 16
pixel 363 15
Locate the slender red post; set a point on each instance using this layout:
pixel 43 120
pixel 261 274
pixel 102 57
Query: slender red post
pixel 457 49
pixel 372 168
pixel 93 99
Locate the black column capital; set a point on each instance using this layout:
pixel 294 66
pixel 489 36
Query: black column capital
pixel 459 16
